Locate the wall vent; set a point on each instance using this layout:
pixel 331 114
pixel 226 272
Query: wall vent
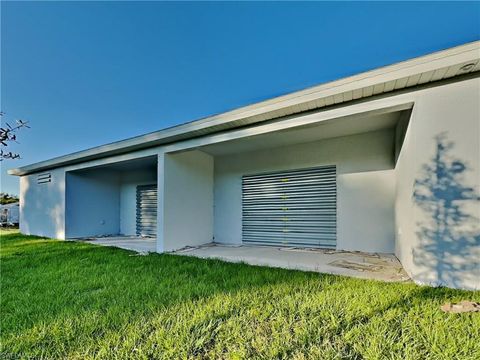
pixel 44 178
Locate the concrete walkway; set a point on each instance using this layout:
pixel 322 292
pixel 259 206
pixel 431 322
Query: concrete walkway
pixel 385 267
pixel 138 244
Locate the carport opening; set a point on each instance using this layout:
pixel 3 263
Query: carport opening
pixel 114 200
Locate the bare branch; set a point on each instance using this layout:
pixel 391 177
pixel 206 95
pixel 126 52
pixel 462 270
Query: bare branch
pixel 7 134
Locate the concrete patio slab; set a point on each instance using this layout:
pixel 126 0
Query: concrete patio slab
pixel 385 267
pixel 138 244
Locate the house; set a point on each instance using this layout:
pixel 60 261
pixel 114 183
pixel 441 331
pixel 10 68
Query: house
pixel 9 214
pixel 384 161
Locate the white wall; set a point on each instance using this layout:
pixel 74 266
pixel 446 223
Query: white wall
pixel 92 203
pixel 42 205
pixel 364 167
pixel 366 218
pixel 185 191
pixel 453 110
pixel 128 197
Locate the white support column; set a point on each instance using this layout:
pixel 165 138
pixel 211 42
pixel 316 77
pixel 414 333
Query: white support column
pixel 185 200
pixel 160 202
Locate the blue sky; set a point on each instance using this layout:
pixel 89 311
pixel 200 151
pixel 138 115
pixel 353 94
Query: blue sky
pixel 87 73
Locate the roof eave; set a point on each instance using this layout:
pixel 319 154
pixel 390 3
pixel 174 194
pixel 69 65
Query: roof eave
pixel 339 91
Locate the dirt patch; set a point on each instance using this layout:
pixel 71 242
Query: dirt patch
pixel 356 266
pixel 461 307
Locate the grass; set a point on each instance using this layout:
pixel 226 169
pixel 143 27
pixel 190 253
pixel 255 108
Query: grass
pixel 79 301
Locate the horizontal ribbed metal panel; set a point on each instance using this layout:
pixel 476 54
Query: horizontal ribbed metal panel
pixel 291 208
pixel 147 210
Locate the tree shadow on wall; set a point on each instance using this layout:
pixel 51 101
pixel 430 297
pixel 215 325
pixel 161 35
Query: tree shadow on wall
pixel 449 236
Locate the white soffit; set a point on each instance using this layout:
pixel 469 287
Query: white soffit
pixel 438 66
pixel 343 126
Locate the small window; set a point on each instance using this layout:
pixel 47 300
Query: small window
pixel 44 178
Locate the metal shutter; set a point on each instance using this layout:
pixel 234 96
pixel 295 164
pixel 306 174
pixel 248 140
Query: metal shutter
pixel 291 208
pixel 147 210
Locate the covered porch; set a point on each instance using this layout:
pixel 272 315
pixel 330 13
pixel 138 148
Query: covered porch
pixel 325 184
pixel 316 196
pixel 114 204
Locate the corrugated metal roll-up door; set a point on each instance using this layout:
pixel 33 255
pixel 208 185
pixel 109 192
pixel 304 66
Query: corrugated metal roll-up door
pixel 291 208
pixel 147 210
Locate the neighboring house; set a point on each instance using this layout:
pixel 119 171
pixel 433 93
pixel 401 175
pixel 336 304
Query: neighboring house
pixel 9 214
pixel 385 161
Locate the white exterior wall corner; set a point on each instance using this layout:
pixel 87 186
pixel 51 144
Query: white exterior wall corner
pixel 42 206
pixel 185 200
pixel 451 259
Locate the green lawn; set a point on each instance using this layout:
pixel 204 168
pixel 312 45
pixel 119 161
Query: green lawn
pixel 75 300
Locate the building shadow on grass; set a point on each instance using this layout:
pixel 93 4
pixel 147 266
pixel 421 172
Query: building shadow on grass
pixel 448 233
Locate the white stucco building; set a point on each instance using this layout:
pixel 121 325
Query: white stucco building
pixel 385 161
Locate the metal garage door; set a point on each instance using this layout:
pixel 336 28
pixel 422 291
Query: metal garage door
pixel 291 208
pixel 147 210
